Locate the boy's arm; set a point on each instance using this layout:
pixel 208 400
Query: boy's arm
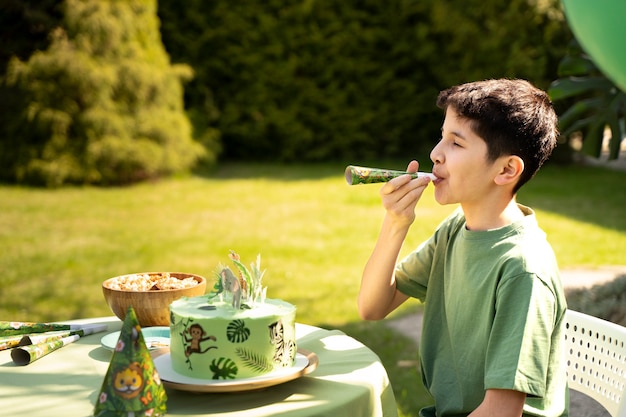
pixel 378 295
pixel 500 403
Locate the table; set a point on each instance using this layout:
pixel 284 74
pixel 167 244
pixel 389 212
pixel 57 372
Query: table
pixel 349 380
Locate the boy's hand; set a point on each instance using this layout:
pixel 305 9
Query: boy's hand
pixel 378 295
pixel 400 196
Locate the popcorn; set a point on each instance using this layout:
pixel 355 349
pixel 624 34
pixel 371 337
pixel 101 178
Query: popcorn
pixel 150 282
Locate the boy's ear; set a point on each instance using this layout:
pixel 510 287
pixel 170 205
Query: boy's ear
pixel 511 168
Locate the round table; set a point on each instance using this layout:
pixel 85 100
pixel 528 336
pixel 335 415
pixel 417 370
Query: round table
pixel 349 381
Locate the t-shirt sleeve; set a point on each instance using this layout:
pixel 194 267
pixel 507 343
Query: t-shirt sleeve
pixel 520 341
pixel 413 271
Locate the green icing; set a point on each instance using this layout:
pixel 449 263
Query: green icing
pixel 196 307
pixel 232 343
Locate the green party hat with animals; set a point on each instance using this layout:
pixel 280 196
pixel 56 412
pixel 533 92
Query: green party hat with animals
pixel 131 385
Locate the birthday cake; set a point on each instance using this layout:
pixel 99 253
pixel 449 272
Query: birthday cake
pixel 234 332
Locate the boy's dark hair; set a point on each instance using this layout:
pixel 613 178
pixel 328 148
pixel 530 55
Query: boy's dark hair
pixel 512 116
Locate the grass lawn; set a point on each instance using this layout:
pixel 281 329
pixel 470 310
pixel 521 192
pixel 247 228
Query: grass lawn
pixel 313 231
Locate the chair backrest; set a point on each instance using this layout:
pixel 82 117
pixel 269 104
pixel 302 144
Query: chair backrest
pixel 596 360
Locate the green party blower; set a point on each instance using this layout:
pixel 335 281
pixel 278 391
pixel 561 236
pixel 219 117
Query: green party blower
pixel 365 175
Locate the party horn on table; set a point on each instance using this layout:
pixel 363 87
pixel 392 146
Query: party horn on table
pixel 24 355
pixel 364 175
pixel 11 328
pixel 36 338
pixel 9 342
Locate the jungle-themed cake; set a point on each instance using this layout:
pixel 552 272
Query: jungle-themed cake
pixel 234 332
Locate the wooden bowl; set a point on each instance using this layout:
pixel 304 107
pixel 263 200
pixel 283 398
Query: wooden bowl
pixel 151 307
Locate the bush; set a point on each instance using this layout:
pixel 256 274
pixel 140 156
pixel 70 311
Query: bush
pixel 102 104
pixel 288 80
pixel 295 80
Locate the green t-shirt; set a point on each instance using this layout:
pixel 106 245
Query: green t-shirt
pixel 493 316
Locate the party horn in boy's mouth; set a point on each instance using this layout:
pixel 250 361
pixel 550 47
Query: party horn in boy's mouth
pixel 364 175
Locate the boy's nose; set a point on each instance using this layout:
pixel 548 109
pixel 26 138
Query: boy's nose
pixel 436 155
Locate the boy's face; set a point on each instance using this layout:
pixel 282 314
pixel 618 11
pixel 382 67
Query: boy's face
pixel 465 175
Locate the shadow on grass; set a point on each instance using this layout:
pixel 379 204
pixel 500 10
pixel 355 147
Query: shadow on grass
pixel 291 171
pixel 399 355
pixel 284 172
pixel 606 301
pixel 588 194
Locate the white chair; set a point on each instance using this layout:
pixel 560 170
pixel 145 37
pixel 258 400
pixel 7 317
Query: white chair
pixel 596 360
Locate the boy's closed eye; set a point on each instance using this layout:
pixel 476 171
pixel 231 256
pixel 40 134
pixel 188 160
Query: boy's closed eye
pixel 454 140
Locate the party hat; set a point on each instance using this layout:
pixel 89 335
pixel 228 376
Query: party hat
pixel 132 385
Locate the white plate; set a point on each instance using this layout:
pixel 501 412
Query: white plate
pixel 156 337
pixel 306 362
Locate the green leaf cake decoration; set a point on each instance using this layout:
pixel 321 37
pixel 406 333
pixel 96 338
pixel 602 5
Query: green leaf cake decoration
pixel 255 361
pixel 237 332
pixel 223 368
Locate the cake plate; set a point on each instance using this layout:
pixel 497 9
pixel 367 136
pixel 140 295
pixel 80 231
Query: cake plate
pixel 156 337
pixel 305 363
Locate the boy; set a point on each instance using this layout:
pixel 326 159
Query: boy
pixel 493 301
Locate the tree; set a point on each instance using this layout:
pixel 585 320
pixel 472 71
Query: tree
pixel 104 104
pixel 293 80
pixel 24 27
pixel 592 103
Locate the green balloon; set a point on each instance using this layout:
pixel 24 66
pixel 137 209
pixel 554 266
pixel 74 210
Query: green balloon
pixel 600 28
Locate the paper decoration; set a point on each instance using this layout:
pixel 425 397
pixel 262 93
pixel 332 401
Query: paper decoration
pixel 132 385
